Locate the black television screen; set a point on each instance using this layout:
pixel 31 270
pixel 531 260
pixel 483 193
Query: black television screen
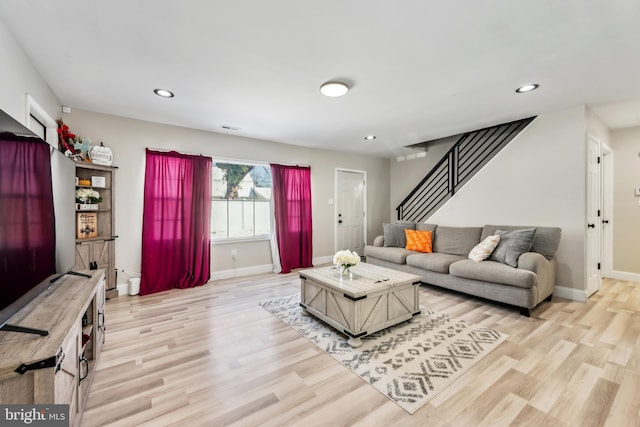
pixel 37 250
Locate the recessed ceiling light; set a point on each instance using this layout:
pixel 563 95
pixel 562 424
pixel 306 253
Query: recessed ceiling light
pixel 163 93
pixel 370 137
pixel 334 89
pixel 527 88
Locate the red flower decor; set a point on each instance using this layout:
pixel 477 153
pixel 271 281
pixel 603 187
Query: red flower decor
pixel 65 138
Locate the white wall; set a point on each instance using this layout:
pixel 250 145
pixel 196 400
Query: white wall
pixel 544 166
pixel 537 179
pixel 128 139
pixel 626 209
pixel 19 77
pixel 597 128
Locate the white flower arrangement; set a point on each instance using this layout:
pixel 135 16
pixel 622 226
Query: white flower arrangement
pixel 346 258
pixel 87 195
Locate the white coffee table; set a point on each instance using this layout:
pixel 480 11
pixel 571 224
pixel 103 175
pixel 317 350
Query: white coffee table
pixel 374 298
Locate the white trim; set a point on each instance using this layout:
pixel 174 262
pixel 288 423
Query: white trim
pixel 260 269
pixel 217 159
pixel 328 259
pixel 33 108
pixel 273 239
pixel 607 209
pixel 623 275
pixel 239 272
pixel 234 240
pixel 335 206
pixel 589 242
pixel 579 295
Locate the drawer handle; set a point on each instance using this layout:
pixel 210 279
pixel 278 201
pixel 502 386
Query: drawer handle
pixel 101 320
pixel 60 359
pixel 101 324
pixel 86 366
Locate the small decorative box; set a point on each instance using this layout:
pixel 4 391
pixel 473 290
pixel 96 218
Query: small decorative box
pixel 98 181
pixel 86 206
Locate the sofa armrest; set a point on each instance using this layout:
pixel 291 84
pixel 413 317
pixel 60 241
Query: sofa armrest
pixel 378 241
pixel 532 261
pixel 545 270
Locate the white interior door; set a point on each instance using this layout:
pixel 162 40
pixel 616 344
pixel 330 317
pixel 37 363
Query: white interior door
pixel 350 210
pixel 594 224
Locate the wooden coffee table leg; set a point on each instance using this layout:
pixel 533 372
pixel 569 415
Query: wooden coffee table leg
pixel 354 342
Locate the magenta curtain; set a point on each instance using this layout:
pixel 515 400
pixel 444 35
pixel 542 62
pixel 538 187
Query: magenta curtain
pixel 27 224
pixel 292 201
pixel 176 221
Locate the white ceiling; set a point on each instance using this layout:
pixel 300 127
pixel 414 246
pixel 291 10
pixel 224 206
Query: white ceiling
pixel 419 69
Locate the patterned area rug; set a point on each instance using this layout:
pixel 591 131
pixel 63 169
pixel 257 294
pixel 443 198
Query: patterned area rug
pixel 409 363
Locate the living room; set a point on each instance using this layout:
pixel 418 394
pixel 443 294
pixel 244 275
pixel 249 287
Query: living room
pixel 539 180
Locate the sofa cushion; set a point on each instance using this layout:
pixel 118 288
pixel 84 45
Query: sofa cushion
pixel 492 271
pixel 426 227
pixel 456 240
pixel 394 236
pixel 433 262
pixel 512 244
pixel 419 240
pixel 395 255
pixel 483 250
pixel 545 242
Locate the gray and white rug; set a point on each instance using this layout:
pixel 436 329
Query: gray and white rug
pixel 409 363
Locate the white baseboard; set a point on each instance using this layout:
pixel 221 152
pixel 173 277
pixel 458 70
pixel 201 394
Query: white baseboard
pixel 579 295
pixel 322 260
pixel 260 269
pixel 623 275
pixel 239 272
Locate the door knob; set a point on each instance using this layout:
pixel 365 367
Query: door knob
pixel 605 221
pixel 339 221
pixel 591 225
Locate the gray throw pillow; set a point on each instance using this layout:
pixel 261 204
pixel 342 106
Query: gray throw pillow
pixel 394 235
pixel 512 245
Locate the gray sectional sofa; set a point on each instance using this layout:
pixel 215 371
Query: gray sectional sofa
pixel 528 282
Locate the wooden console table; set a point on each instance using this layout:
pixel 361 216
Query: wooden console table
pixel 72 311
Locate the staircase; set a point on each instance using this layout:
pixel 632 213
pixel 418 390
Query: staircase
pixel 466 157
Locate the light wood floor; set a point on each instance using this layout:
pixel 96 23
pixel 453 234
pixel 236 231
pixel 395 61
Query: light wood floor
pixel 212 356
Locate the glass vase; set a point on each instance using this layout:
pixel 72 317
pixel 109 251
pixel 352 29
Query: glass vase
pixel 345 271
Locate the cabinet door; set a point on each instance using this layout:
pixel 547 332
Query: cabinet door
pixel 66 377
pixel 103 256
pixel 102 253
pixel 84 256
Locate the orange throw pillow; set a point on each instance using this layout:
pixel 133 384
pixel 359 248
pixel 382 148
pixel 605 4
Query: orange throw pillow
pixel 419 240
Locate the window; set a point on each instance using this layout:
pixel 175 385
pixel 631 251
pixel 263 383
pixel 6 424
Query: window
pixel 240 200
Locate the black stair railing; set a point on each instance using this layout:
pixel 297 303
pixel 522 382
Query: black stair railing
pixel 463 160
